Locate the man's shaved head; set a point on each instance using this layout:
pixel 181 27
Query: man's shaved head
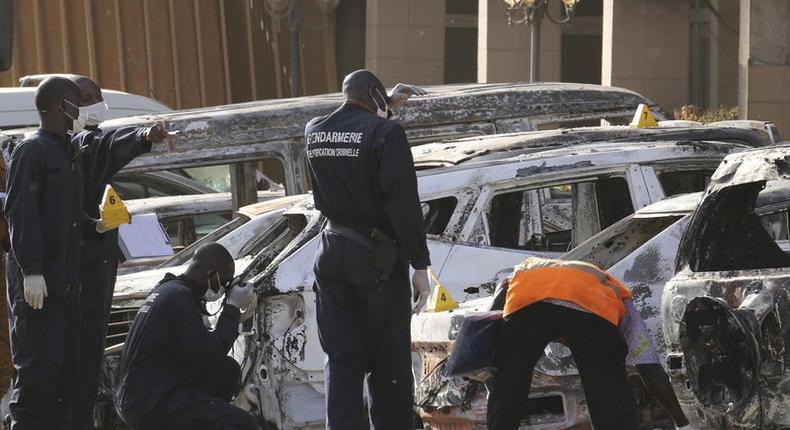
pixel 53 90
pixel 213 256
pixel 365 88
pixel 90 92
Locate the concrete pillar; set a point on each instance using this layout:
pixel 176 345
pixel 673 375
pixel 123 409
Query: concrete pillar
pixel 646 49
pixel 405 40
pixel 503 51
pixel 728 53
pixel 764 62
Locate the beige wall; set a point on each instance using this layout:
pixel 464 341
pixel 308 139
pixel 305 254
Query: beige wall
pixel 769 96
pixel 405 40
pixel 764 62
pixel 646 48
pixel 503 51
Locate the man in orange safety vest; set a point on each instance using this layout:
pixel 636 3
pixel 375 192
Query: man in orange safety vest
pixel 594 315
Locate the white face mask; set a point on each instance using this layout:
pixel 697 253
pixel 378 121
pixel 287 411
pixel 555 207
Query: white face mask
pixel 78 123
pixel 379 111
pixel 210 295
pixel 95 114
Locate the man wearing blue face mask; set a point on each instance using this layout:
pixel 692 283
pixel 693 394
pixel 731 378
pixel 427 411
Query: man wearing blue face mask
pixel 363 178
pixel 99 155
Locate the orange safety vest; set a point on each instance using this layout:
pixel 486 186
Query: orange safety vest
pixel 584 284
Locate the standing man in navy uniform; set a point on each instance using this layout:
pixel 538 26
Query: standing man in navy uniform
pixel 364 182
pixel 99 156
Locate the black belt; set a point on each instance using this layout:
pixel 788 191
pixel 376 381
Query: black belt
pixel 350 233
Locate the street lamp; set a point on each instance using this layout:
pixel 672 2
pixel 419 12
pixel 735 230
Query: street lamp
pixel 531 13
pixel 293 11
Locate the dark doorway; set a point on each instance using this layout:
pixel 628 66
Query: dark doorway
pixel 460 42
pixel 581 59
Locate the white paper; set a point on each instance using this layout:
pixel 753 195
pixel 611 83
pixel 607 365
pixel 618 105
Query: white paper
pixel 144 237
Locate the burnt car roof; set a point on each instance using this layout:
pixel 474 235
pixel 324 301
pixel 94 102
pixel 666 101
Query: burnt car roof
pixel 252 130
pixel 507 145
pixel 171 206
pixel 763 164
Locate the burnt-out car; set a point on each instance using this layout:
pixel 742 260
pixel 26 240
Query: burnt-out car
pixel 726 312
pixel 483 201
pixel 641 250
pixel 468 207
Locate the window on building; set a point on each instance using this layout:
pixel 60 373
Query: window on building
pixel 557 218
pixel 582 44
pixel 437 214
pixel 681 182
pixel 460 41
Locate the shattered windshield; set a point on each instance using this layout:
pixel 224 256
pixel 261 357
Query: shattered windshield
pixel 621 239
pixel 730 234
pixel 236 236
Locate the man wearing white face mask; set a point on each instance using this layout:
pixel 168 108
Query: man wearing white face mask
pixel 45 221
pixel 174 374
pixel 363 178
pixel 99 155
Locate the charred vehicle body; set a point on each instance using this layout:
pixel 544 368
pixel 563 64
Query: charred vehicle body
pixel 478 215
pixel 726 312
pixel 273 130
pixel 640 250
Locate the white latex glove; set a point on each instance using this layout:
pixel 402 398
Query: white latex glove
pixel 685 427
pixel 101 228
pixel 422 289
pixel 403 92
pixel 240 295
pixel 35 291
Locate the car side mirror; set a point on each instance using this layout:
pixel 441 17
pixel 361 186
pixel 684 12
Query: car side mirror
pixel 6 34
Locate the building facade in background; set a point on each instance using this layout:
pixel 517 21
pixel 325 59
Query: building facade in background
pixel 189 53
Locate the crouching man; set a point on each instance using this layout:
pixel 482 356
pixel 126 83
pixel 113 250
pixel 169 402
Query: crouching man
pixel 174 373
pixel 594 314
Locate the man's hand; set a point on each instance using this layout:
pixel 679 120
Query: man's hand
pixel 155 134
pixel 422 289
pixel 35 290
pixel 403 92
pixel 240 295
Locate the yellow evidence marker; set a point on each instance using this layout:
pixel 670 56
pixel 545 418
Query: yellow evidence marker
pixel 643 117
pixel 440 299
pixel 112 209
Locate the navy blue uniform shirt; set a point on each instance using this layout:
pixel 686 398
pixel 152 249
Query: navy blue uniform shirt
pixel 362 174
pixel 168 348
pixel 44 212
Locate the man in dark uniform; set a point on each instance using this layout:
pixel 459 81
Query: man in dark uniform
pixel 364 182
pixel 99 156
pixel 45 222
pixel 174 373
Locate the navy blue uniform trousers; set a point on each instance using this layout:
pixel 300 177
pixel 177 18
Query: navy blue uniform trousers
pixel 38 345
pixel 599 351
pixel 99 268
pixel 364 326
pixel 209 408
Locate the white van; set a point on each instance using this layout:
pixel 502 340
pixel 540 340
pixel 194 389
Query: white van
pixel 18 107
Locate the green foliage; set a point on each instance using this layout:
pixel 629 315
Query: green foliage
pixel 694 113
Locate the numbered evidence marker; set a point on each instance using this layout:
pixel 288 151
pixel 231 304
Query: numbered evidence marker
pixel 440 299
pixel 112 209
pixel 643 118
